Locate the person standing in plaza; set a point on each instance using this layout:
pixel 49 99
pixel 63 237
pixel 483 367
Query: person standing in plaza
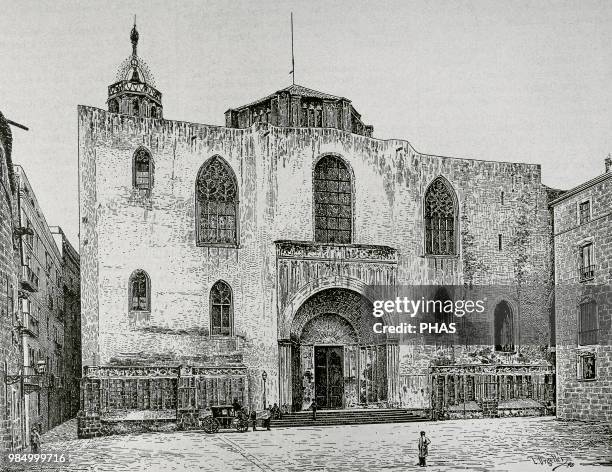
pixel 254 419
pixel 423 449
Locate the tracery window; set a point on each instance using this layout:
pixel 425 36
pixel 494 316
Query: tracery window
pixel 333 195
pixel 216 204
pixel 140 291
pixel 135 107
pixel 221 309
pixel 440 216
pixel 142 170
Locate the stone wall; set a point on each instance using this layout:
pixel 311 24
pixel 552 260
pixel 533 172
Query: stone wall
pixel 11 355
pixel 577 398
pixel 123 230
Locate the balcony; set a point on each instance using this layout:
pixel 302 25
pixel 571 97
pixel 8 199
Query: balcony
pixel 30 325
pixel 29 280
pixel 587 273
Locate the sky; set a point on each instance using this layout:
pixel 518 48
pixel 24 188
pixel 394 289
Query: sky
pixel 525 81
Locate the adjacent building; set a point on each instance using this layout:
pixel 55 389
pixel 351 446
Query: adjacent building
pixel 71 316
pixel 583 299
pixel 50 314
pixel 237 262
pixel 12 422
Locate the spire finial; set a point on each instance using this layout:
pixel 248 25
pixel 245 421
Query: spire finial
pixel 134 38
pixel 292 73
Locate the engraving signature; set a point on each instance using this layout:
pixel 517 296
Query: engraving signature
pixel 552 459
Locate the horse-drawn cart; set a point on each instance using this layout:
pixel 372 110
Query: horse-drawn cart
pixel 224 417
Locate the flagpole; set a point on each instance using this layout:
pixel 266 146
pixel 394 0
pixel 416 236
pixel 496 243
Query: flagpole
pixel 292 56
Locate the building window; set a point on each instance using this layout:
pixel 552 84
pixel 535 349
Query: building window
pixel 504 327
pixel 221 309
pixel 311 117
pixel 135 107
pixel 585 212
pixel 140 291
pixel 333 198
pixel 586 366
pixel 319 117
pixel 113 106
pixel 499 242
pixel 439 219
pixel 142 170
pixel 587 324
pixel 216 204
pixel 587 266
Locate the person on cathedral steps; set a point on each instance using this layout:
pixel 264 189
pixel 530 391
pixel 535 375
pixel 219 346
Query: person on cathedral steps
pixel 423 449
pixel 313 407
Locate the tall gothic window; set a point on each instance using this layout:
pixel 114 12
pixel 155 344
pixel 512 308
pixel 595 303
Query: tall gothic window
pixel 135 107
pixel 221 309
pixel 333 196
pixel 440 215
pixel 113 106
pixel 140 291
pixel 142 170
pixel 504 327
pixel 216 204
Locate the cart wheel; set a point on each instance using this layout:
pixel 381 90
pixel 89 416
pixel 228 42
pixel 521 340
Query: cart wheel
pixel 210 425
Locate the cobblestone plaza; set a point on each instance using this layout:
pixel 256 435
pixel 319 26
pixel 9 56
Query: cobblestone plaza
pixel 477 445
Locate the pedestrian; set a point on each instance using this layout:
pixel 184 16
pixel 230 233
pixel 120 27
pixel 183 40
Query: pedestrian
pixel 237 406
pixel 35 438
pixel 313 407
pixel 423 443
pixel 254 419
pixel 267 418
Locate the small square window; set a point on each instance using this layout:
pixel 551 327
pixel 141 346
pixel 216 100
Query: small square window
pixel 586 366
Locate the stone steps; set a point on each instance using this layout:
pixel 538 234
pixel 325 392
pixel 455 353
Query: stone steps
pixel 345 417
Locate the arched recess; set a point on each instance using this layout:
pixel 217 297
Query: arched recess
pixel 221 309
pixel 503 327
pixel 216 202
pixel 289 310
pixel 139 292
pixel 440 219
pixel 143 169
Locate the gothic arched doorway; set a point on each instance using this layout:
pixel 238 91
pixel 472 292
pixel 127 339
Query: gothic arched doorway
pixel 336 358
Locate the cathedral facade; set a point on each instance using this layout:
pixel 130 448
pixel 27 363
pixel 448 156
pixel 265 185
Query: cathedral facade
pixel 236 262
